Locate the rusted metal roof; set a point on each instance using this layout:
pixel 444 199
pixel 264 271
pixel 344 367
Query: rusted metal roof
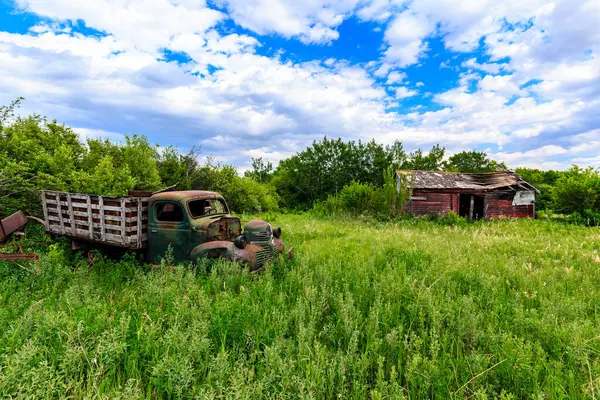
pixel 466 181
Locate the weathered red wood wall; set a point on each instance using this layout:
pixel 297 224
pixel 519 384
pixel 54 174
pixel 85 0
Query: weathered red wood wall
pixel 443 202
pixel 434 203
pixel 498 208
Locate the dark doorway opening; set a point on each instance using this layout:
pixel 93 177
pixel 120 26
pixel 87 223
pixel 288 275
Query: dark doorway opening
pixel 464 206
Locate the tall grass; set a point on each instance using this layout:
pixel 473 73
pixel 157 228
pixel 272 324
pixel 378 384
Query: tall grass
pixel 414 309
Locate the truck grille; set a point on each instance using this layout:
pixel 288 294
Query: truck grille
pixel 261 258
pixel 260 237
pixel 264 240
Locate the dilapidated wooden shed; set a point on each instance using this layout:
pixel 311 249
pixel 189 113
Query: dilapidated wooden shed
pixel 483 195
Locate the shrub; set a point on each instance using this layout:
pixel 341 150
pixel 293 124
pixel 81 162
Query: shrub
pixel 451 218
pixel 577 190
pixel 356 197
pixel 363 198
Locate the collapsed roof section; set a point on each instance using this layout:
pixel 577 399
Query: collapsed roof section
pixel 466 181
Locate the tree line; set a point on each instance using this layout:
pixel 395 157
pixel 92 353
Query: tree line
pixel 37 154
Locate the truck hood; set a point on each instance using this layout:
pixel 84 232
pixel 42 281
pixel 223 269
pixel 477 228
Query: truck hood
pixel 219 227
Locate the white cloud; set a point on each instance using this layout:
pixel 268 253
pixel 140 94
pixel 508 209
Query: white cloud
pixel 86 133
pixel 395 77
pixel 405 35
pixel 492 68
pixel 144 24
pixel 402 92
pixel 502 84
pixel 309 21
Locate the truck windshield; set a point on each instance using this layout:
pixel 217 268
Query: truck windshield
pixel 200 208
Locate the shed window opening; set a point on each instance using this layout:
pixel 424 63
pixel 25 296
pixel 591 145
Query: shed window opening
pixel 169 212
pixel 200 208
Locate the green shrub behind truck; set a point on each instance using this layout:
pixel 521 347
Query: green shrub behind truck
pixel 193 223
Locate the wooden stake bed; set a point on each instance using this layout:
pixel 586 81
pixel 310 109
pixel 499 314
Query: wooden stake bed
pixel 116 221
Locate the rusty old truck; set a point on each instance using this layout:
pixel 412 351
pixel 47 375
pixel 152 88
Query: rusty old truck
pixel 192 223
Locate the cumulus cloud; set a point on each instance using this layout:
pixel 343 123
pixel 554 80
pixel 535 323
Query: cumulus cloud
pixel 405 35
pixel 310 21
pixel 144 24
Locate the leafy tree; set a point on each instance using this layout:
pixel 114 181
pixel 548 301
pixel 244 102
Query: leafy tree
pixel 578 190
pixel 178 169
pixel 109 180
pixel 261 171
pixel 433 161
pixel 15 184
pixel 8 112
pixel 141 158
pixel 325 167
pixel 473 162
pixel 545 181
pixel 397 155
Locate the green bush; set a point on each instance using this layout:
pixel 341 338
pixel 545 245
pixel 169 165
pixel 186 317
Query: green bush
pixel 587 218
pixel 450 219
pixel 577 190
pixel 356 198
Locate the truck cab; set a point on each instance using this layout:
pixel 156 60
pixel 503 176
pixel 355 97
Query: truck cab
pixel 198 223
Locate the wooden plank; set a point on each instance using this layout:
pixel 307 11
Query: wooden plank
pixel 485 207
pixel 60 217
pixel 123 217
pixel 45 207
pixel 471 206
pixel 71 217
pixel 90 220
pixel 98 225
pixel 139 224
pixel 102 218
pixel 85 205
pixel 109 237
pixel 107 217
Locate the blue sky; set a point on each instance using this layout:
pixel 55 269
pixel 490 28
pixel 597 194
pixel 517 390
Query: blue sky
pixel 264 78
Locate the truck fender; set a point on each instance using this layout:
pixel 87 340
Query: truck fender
pixel 226 250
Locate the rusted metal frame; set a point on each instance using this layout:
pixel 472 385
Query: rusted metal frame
pixel 124 217
pixel 18 256
pixel 41 221
pixel 60 216
pixel 3 234
pixel 71 216
pixel 88 200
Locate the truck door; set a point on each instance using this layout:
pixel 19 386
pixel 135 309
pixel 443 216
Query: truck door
pixel 168 225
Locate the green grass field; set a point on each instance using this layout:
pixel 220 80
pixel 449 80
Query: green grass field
pixel 366 310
